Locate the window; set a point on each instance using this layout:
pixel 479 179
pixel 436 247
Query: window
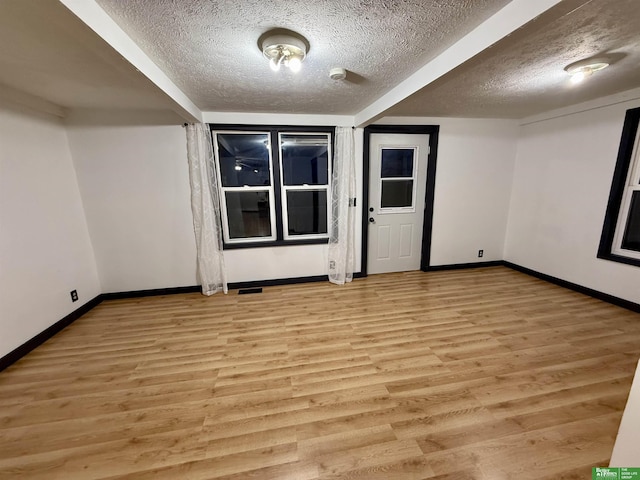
pixel 620 239
pixel 246 181
pixel 397 175
pixel 305 184
pixel 274 183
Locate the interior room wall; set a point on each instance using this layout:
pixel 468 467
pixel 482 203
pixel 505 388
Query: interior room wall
pixel 45 250
pixel 563 172
pixel 134 181
pixel 473 187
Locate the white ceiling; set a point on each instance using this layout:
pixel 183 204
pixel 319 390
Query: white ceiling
pixel 209 49
pixel 209 60
pixel 49 53
pixel 523 74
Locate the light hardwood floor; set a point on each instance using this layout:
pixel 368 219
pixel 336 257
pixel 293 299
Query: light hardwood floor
pixel 476 374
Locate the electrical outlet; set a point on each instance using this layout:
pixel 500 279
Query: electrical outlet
pixel 74 295
pixel 480 253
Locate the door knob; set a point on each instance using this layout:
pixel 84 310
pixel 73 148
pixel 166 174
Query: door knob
pixel 372 220
pixel 371 209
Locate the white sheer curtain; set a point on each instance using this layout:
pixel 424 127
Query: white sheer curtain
pixel 342 247
pixel 205 206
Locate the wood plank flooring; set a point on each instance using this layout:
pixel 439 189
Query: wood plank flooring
pixel 468 374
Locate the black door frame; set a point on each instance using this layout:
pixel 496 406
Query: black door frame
pixel 432 131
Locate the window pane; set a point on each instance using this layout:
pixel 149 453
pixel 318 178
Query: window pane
pixel 307 212
pixel 244 159
pixel 631 239
pixel 397 162
pixel 305 159
pixel 248 214
pixel 397 193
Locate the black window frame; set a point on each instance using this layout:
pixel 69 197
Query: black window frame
pixel 273 131
pixel 624 163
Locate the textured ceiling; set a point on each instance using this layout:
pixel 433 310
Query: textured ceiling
pixel 48 53
pixel 209 48
pixel 523 74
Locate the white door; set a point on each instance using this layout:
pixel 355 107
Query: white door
pixel 397 188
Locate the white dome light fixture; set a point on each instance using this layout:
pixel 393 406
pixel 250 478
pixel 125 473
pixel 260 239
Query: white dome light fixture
pixel 585 68
pixel 284 49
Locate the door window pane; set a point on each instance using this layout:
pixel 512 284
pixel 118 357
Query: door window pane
pixel 248 214
pixel 307 212
pixel 397 193
pixel 305 159
pixel 397 162
pixel 244 159
pixel 631 239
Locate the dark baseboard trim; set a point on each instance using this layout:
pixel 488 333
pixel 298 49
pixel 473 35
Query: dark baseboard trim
pixel 151 292
pixel 278 282
pixel 15 355
pixel 286 281
pixel 460 266
pixel 231 286
pixel 605 297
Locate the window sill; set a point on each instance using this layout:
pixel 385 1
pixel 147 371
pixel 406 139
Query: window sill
pixel 277 243
pixel 619 258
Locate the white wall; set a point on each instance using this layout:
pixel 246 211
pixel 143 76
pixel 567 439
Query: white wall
pixel 562 179
pixel 45 250
pixel 134 181
pixel 473 187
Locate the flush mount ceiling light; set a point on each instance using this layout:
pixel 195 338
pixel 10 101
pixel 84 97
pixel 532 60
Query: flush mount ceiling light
pixel 288 49
pixel 585 68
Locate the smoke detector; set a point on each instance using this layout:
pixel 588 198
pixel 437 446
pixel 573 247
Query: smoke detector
pixel 338 73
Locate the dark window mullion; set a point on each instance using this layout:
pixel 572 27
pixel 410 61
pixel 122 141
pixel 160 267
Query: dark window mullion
pixel 277 183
